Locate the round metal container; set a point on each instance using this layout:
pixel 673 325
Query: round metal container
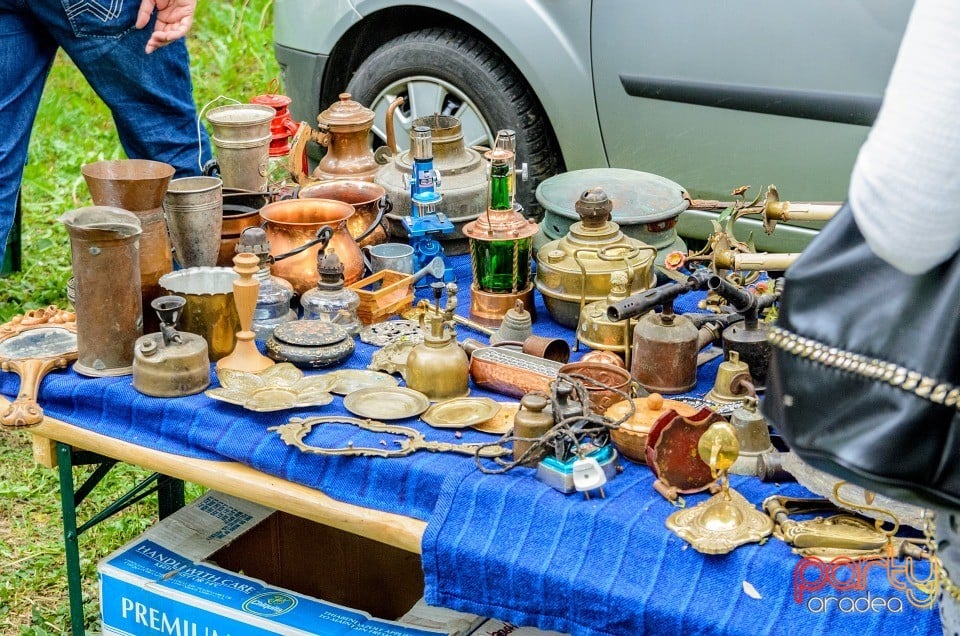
pixel 645 206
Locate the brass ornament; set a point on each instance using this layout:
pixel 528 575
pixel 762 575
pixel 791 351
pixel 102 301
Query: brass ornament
pixel 282 386
pixel 31 345
pixel 726 520
pixel 296 429
pixel 386 402
pixel 461 412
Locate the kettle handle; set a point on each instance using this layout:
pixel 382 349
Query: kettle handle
pixel 384 206
pixel 297 159
pixel 324 235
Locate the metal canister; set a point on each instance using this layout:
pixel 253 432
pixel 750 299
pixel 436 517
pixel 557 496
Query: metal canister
pixel 104 246
pixel 241 135
pixel 531 422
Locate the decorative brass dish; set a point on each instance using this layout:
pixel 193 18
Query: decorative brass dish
pixel 346 381
pixel 461 412
pixel 386 403
pixel 502 422
pixel 282 386
pixel 392 358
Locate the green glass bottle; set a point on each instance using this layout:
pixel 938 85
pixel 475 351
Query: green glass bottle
pixel 501 266
pixel 500 190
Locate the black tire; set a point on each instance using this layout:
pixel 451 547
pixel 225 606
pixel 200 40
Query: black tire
pixel 501 95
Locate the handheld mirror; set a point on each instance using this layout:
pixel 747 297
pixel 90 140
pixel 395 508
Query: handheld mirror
pixel 31 345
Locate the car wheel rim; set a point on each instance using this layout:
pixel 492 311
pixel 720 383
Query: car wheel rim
pixel 424 95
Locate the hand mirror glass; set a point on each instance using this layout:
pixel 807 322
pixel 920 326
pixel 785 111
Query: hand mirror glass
pixel 31 345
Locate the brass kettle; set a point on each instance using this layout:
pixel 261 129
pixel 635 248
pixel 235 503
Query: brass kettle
pixel 344 130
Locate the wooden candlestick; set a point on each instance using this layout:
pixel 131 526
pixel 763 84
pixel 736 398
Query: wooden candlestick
pixel 245 355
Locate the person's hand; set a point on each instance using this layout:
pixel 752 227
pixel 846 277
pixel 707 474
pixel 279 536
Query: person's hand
pixel 174 19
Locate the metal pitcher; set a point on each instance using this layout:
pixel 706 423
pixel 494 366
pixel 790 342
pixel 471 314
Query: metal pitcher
pixel 104 247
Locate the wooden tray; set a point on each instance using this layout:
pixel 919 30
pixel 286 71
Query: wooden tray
pixel 382 295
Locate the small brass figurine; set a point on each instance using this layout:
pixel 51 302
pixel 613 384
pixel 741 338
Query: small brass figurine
pixel 726 520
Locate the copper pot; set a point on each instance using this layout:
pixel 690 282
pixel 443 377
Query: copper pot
pixel 293 223
pixel 369 200
pixel 240 210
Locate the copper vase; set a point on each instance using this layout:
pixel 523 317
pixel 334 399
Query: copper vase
pixel 138 186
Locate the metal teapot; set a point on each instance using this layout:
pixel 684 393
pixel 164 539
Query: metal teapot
pixel 344 130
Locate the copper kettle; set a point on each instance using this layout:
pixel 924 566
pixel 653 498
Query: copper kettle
pixel 344 130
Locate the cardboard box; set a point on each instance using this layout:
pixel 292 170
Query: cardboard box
pixel 227 567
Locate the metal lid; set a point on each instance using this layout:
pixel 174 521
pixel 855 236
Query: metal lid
pixel 310 333
pixel 273 100
pixel 330 270
pixel 500 225
pixel 346 112
pixel 637 197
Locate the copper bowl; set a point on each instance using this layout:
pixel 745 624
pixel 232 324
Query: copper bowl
pixel 612 376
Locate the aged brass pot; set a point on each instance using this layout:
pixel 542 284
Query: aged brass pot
pixel 575 270
pixel 292 223
pixel 210 310
pixel 462 174
pixel 369 201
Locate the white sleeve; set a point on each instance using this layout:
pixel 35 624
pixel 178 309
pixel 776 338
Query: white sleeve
pixel 905 187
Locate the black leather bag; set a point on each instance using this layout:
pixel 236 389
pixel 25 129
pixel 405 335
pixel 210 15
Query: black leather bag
pixel 865 368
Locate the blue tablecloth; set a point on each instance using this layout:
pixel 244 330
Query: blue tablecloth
pixel 504 545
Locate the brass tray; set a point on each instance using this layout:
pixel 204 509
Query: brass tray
pixel 281 386
pixel 346 381
pixel 502 421
pixel 386 403
pixel 461 412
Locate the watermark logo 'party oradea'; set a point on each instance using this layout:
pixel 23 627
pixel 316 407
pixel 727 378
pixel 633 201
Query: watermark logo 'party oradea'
pixel 869 584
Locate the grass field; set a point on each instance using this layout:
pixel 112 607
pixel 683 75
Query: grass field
pixel 232 55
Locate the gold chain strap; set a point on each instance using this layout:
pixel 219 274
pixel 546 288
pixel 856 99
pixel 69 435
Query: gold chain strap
pixel 914 382
pixel 940 571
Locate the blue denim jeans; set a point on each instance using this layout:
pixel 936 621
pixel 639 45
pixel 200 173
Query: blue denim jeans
pixel 150 96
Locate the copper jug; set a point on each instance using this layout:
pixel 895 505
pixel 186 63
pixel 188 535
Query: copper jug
pixel 292 227
pixel 344 130
pixel 138 186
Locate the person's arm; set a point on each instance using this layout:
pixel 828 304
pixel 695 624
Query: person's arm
pixel 174 19
pixel 905 187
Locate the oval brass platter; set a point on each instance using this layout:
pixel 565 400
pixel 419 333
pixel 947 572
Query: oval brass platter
pixel 386 403
pixel 349 380
pixel 461 412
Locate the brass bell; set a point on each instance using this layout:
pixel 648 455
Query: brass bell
pixel 753 435
pixel 517 325
pixel 733 381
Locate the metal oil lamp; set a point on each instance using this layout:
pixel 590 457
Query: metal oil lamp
pixel 598 331
pixel 330 300
pixel 344 130
pixel 575 270
pixel 500 246
pixel 170 363
pixel 438 367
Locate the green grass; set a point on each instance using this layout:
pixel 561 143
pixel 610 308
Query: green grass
pixel 232 55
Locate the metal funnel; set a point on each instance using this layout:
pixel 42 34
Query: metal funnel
pixel 131 184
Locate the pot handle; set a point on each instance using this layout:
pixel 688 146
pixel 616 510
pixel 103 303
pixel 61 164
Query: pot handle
pixel 324 235
pixel 384 206
pixel 297 159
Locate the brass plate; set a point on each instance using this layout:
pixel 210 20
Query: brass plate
pixel 502 421
pixel 386 403
pixel 461 412
pixel 281 386
pixel 349 380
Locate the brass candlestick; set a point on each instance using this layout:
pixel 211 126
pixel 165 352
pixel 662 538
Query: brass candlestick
pixel 245 355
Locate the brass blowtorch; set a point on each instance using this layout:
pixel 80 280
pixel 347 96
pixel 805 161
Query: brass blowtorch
pixel 665 345
pixel 747 338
